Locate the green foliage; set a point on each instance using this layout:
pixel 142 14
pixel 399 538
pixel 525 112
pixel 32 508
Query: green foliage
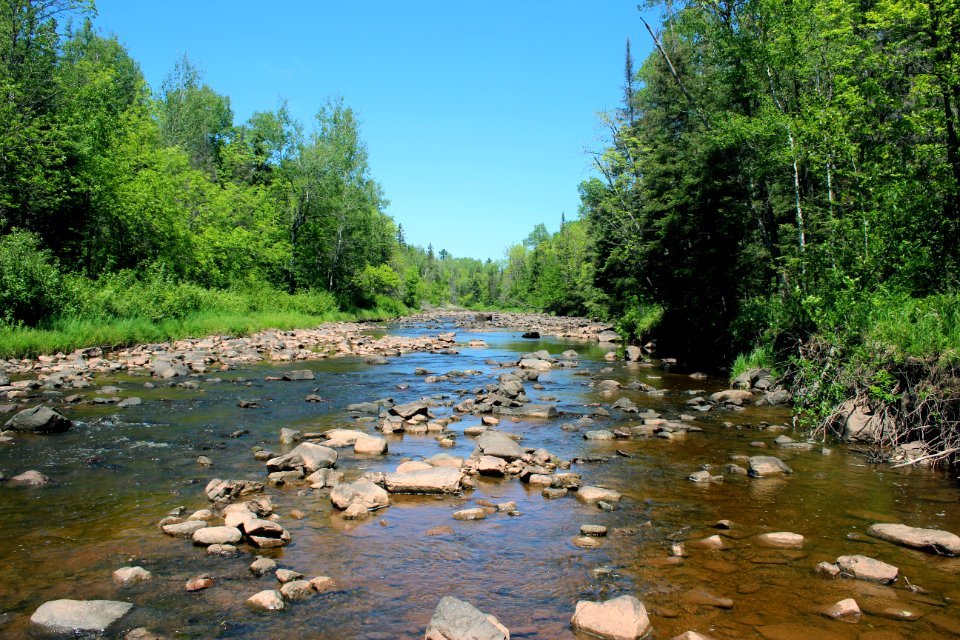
pixel 638 319
pixel 761 357
pixel 380 281
pixel 30 282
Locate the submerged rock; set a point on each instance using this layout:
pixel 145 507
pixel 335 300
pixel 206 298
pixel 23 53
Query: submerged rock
pixel 865 568
pixel 763 466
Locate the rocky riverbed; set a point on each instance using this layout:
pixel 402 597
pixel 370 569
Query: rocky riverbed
pixel 444 474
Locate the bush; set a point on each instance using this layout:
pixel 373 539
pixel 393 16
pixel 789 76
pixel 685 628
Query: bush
pixel 30 282
pixel 638 319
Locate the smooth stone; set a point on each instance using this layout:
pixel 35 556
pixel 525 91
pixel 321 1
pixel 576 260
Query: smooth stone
pixel 30 478
pixel 267 600
pixel 77 616
pixel 470 514
pixel 199 583
pixel 587 542
pixel 265 534
pixel 321 584
pixel 782 539
pixel 763 466
pixel 370 445
pixel 499 444
pixel 126 576
pixel 262 566
pixel 931 540
pixel 217 535
pixel 363 492
pixel 39 419
pixel 184 529
pixel 622 618
pixel 287 575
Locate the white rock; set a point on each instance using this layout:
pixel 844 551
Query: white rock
pixel 623 618
pixel 75 616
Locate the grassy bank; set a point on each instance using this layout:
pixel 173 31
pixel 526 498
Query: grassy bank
pixel 123 309
pixel 894 356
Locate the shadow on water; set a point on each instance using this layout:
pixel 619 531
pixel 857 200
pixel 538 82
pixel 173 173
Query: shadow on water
pixel 120 471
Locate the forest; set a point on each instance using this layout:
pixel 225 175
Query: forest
pixel 780 188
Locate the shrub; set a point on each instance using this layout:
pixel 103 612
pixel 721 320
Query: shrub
pixel 30 282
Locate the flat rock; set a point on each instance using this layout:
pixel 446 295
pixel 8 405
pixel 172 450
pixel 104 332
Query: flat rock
pixel 592 495
pixel 265 534
pixel 455 619
pixel 470 514
pixel 623 618
pixel 224 490
pixel 301 374
pixel 864 568
pixel 183 529
pixel 492 466
pixel 781 539
pixel 78 616
pixel 599 434
pixel 499 444
pixel 763 466
pixel 433 480
pixel 931 540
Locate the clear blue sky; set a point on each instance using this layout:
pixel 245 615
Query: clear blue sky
pixel 477 116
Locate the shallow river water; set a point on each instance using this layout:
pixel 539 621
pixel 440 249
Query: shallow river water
pixel 119 471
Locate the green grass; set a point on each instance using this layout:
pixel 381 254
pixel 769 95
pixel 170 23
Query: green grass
pixel 66 335
pixel 761 357
pixel 915 327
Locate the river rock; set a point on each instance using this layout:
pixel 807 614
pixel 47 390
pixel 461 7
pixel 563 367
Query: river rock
pixel 183 529
pixel 290 436
pixel 492 466
pixel 39 419
pixel 931 540
pixel 307 456
pixel 499 444
pixel 300 374
pixel 623 618
pixel 267 600
pixel 217 535
pixel 847 608
pixel 691 635
pixel 592 495
pixel 433 480
pixel 262 566
pixel 763 466
pixel 296 590
pixel 30 478
pixel 370 445
pixel 409 410
pixel 198 583
pixel 864 568
pixel 362 492
pixel 218 490
pixel 781 539
pixel 455 619
pixel 79 616
pixel 609 336
pixel 417 465
pixel 265 534
pixel 165 370
pixel 731 396
pixel 126 576
pixel 338 438
pixel 599 434
pixel 470 514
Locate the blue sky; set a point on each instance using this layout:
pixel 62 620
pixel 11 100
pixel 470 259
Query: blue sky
pixel 478 117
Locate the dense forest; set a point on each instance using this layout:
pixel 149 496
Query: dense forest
pixel 780 188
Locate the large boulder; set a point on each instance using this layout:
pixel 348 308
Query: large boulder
pixel 75 617
pixel 608 336
pixel 455 619
pixel 731 396
pixel 362 492
pixel 860 424
pixel 435 480
pixel 370 445
pixel 932 540
pixel 39 419
pixel 623 618
pixel 499 444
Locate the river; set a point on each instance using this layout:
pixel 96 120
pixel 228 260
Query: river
pixel 118 472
